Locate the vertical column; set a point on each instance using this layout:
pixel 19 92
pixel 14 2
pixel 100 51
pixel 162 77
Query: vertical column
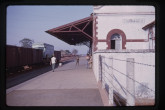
pixel 100 68
pixel 103 72
pixel 110 63
pixel 130 83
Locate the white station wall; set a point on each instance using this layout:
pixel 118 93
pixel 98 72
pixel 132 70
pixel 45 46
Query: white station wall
pixel 129 21
pixel 144 74
pixel 123 9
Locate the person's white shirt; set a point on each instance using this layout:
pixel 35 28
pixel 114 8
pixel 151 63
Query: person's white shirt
pixel 53 60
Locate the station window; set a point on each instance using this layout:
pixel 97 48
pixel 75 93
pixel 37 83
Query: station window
pixel 116 41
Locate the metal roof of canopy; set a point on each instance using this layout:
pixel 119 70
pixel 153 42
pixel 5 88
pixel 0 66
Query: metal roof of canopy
pixel 75 33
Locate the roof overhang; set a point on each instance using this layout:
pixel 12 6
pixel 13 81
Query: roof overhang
pixel 149 25
pixel 75 33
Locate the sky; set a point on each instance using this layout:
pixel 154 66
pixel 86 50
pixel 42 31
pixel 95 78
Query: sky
pixel 31 22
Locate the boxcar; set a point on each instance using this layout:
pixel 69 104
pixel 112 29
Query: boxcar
pixel 57 54
pixel 47 49
pixel 19 56
pixel 37 56
pixel 11 56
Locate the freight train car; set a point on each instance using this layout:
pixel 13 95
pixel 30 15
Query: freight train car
pixel 19 56
pixel 57 54
pixel 47 49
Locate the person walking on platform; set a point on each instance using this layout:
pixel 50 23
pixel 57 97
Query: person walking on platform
pixel 87 58
pixel 77 60
pixel 90 62
pixel 53 62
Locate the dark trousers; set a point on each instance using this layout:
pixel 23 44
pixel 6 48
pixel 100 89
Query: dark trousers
pixel 87 63
pixel 77 62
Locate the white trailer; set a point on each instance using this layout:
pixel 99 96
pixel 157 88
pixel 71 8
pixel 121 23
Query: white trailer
pixel 48 50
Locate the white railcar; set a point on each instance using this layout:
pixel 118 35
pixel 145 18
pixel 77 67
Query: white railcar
pixel 48 50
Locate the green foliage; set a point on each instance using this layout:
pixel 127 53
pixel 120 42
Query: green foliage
pixel 74 51
pixel 27 43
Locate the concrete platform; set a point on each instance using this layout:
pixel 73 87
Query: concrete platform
pixel 69 85
pixel 55 97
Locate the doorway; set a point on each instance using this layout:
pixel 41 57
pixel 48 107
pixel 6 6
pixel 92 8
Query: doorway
pixel 116 42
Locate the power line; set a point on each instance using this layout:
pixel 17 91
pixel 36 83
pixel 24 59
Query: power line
pixel 125 89
pixel 115 79
pixel 113 85
pixel 128 77
pixel 131 61
pixel 116 90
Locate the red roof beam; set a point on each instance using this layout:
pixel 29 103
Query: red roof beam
pixel 149 25
pixel 75 23
pixel 86 25
pixel 64 31
pixel 83 32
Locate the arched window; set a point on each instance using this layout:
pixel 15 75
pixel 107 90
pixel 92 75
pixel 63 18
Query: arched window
pixel 116 39
pixel 116 42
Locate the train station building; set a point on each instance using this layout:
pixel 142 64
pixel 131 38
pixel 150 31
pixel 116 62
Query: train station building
pixel 121 40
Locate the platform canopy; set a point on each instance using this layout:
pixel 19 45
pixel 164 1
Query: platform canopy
pixel 75 33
